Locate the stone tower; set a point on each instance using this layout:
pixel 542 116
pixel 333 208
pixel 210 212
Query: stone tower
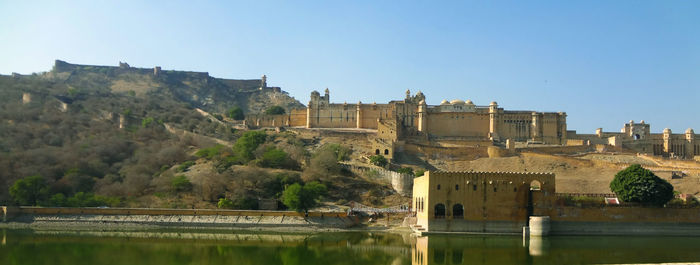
pixel 263 82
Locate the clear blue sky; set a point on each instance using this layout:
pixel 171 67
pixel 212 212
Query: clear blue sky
pixel 602 62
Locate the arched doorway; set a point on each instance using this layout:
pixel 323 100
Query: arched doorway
pixel 439 211
pixel 535 185
pixel 458 211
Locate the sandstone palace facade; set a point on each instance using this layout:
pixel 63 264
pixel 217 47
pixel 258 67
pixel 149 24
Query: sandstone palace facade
pixel 460 123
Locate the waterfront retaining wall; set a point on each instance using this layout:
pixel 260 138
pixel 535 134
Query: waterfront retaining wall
pixel 625 221
pixel 180 217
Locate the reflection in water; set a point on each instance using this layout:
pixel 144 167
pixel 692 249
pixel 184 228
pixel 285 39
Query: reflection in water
pixel 435 250
pixel 177 247
pixel 538 246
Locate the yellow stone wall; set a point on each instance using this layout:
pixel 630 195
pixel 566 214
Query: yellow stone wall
pixel 465 124
pixel 485 196
pixel 297 118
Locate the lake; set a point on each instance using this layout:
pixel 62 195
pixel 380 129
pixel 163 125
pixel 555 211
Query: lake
pixel 28 247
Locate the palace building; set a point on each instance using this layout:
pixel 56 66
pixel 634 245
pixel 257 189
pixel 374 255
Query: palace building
pixel 462 123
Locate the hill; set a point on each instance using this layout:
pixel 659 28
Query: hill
pixel 124 136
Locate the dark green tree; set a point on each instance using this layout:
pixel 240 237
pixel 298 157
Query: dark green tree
pixel 275 110
pixel 250 141
pixel 637 184
pixel 302 198
pixel 277 158
pixel 235 113
pixel 31 190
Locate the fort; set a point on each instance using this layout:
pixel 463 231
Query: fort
pixel 409 124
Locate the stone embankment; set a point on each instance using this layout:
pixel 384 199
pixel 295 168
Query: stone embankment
pixel 125 218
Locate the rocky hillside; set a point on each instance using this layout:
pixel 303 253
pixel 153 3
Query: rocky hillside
pixel 198 89
pixel 120 136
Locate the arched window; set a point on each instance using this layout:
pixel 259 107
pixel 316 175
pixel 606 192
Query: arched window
pixel 439 211
pixel 438 186
pixel 535 185
pixel 376 152
pixel 458 211
pixel 386 151
pixel 457 187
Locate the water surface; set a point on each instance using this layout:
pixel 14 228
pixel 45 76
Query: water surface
pixel 177 247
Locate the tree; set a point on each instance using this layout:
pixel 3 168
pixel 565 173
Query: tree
pixel 378 160
pixel 275 110
pixel 250 141
pixel 30 190
pixel 276 158
pixel 235 113
pixel 302 198
pixel 637 184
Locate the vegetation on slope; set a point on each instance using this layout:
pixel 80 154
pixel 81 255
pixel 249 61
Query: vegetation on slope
pixel 123 147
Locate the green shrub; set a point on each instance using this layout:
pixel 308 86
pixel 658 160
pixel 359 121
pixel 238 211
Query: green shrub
pixel 275 110
pixel 82 199
pixel 637 184
pixel 181 183
pixel 235 113
pixel 405 170
pixel 245 203
pixel 302 198
pixel 31 190
pixel 146 122
pixel 420 172
pixel 584 201
pixel 184 167
pixel 211 152
pixel 378 160
pixel 224 204
pixel 58 200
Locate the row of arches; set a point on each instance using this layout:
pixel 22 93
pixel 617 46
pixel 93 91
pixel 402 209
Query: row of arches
pixel 377 152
